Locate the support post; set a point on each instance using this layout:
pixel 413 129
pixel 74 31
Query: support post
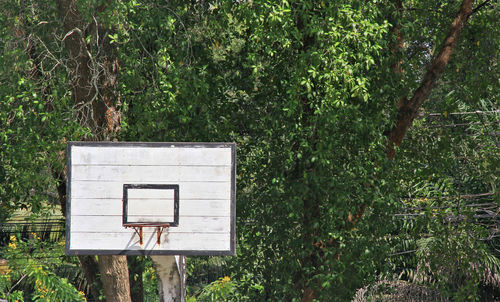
pixel 171 272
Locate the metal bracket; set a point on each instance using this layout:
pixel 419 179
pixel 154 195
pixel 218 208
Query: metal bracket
pixel 138 229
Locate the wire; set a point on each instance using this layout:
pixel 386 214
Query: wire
pixel 461 113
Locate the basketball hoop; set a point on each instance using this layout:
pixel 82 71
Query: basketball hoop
pixel 160 226
pixel 137 226
pixel 151 198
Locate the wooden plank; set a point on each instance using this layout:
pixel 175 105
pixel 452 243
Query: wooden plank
pixel 166 174
pixel 86 155
pixel 169 241
pixel 113 224
pixel 187 207
pixel 187 190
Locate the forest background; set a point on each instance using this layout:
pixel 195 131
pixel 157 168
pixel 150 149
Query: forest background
pixel 367 141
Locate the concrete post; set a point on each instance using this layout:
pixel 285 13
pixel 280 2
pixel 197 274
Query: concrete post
pixel 171 272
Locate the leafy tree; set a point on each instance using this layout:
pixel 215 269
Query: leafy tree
pixel 446 169
pixel 308 89
pixel 447 212
pixel 53 52
pixel 287 92
pixel 29 262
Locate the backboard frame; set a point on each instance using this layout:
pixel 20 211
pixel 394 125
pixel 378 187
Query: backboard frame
pixel 173 187
pixel 230 252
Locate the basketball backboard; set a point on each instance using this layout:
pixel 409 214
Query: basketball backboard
pixel 151 198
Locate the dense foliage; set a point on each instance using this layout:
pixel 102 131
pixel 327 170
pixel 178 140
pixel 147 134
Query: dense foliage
pixel 309 91
pixel 32 272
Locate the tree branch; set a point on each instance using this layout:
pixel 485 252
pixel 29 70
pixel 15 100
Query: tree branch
pixel 17 283
pixel 408 108
pixel 475 10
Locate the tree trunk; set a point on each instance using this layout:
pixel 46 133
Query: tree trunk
pixel 93 81
pixel 116 286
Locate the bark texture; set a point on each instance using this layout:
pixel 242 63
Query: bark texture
pixel 79 60
pixel 116 285
pixel 408 108
pixel 93 78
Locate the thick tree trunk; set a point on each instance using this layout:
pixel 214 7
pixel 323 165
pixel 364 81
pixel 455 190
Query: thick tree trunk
pixel 83 92
pixel 311 204
pixel 93 86
pixel 116 286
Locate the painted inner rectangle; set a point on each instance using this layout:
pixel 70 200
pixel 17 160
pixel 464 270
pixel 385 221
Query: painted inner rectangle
pixel 150 205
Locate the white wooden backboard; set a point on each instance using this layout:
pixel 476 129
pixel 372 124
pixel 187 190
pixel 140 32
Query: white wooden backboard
pixel 149 174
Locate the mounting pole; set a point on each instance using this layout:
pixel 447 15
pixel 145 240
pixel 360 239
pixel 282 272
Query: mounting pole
pixel 171 271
